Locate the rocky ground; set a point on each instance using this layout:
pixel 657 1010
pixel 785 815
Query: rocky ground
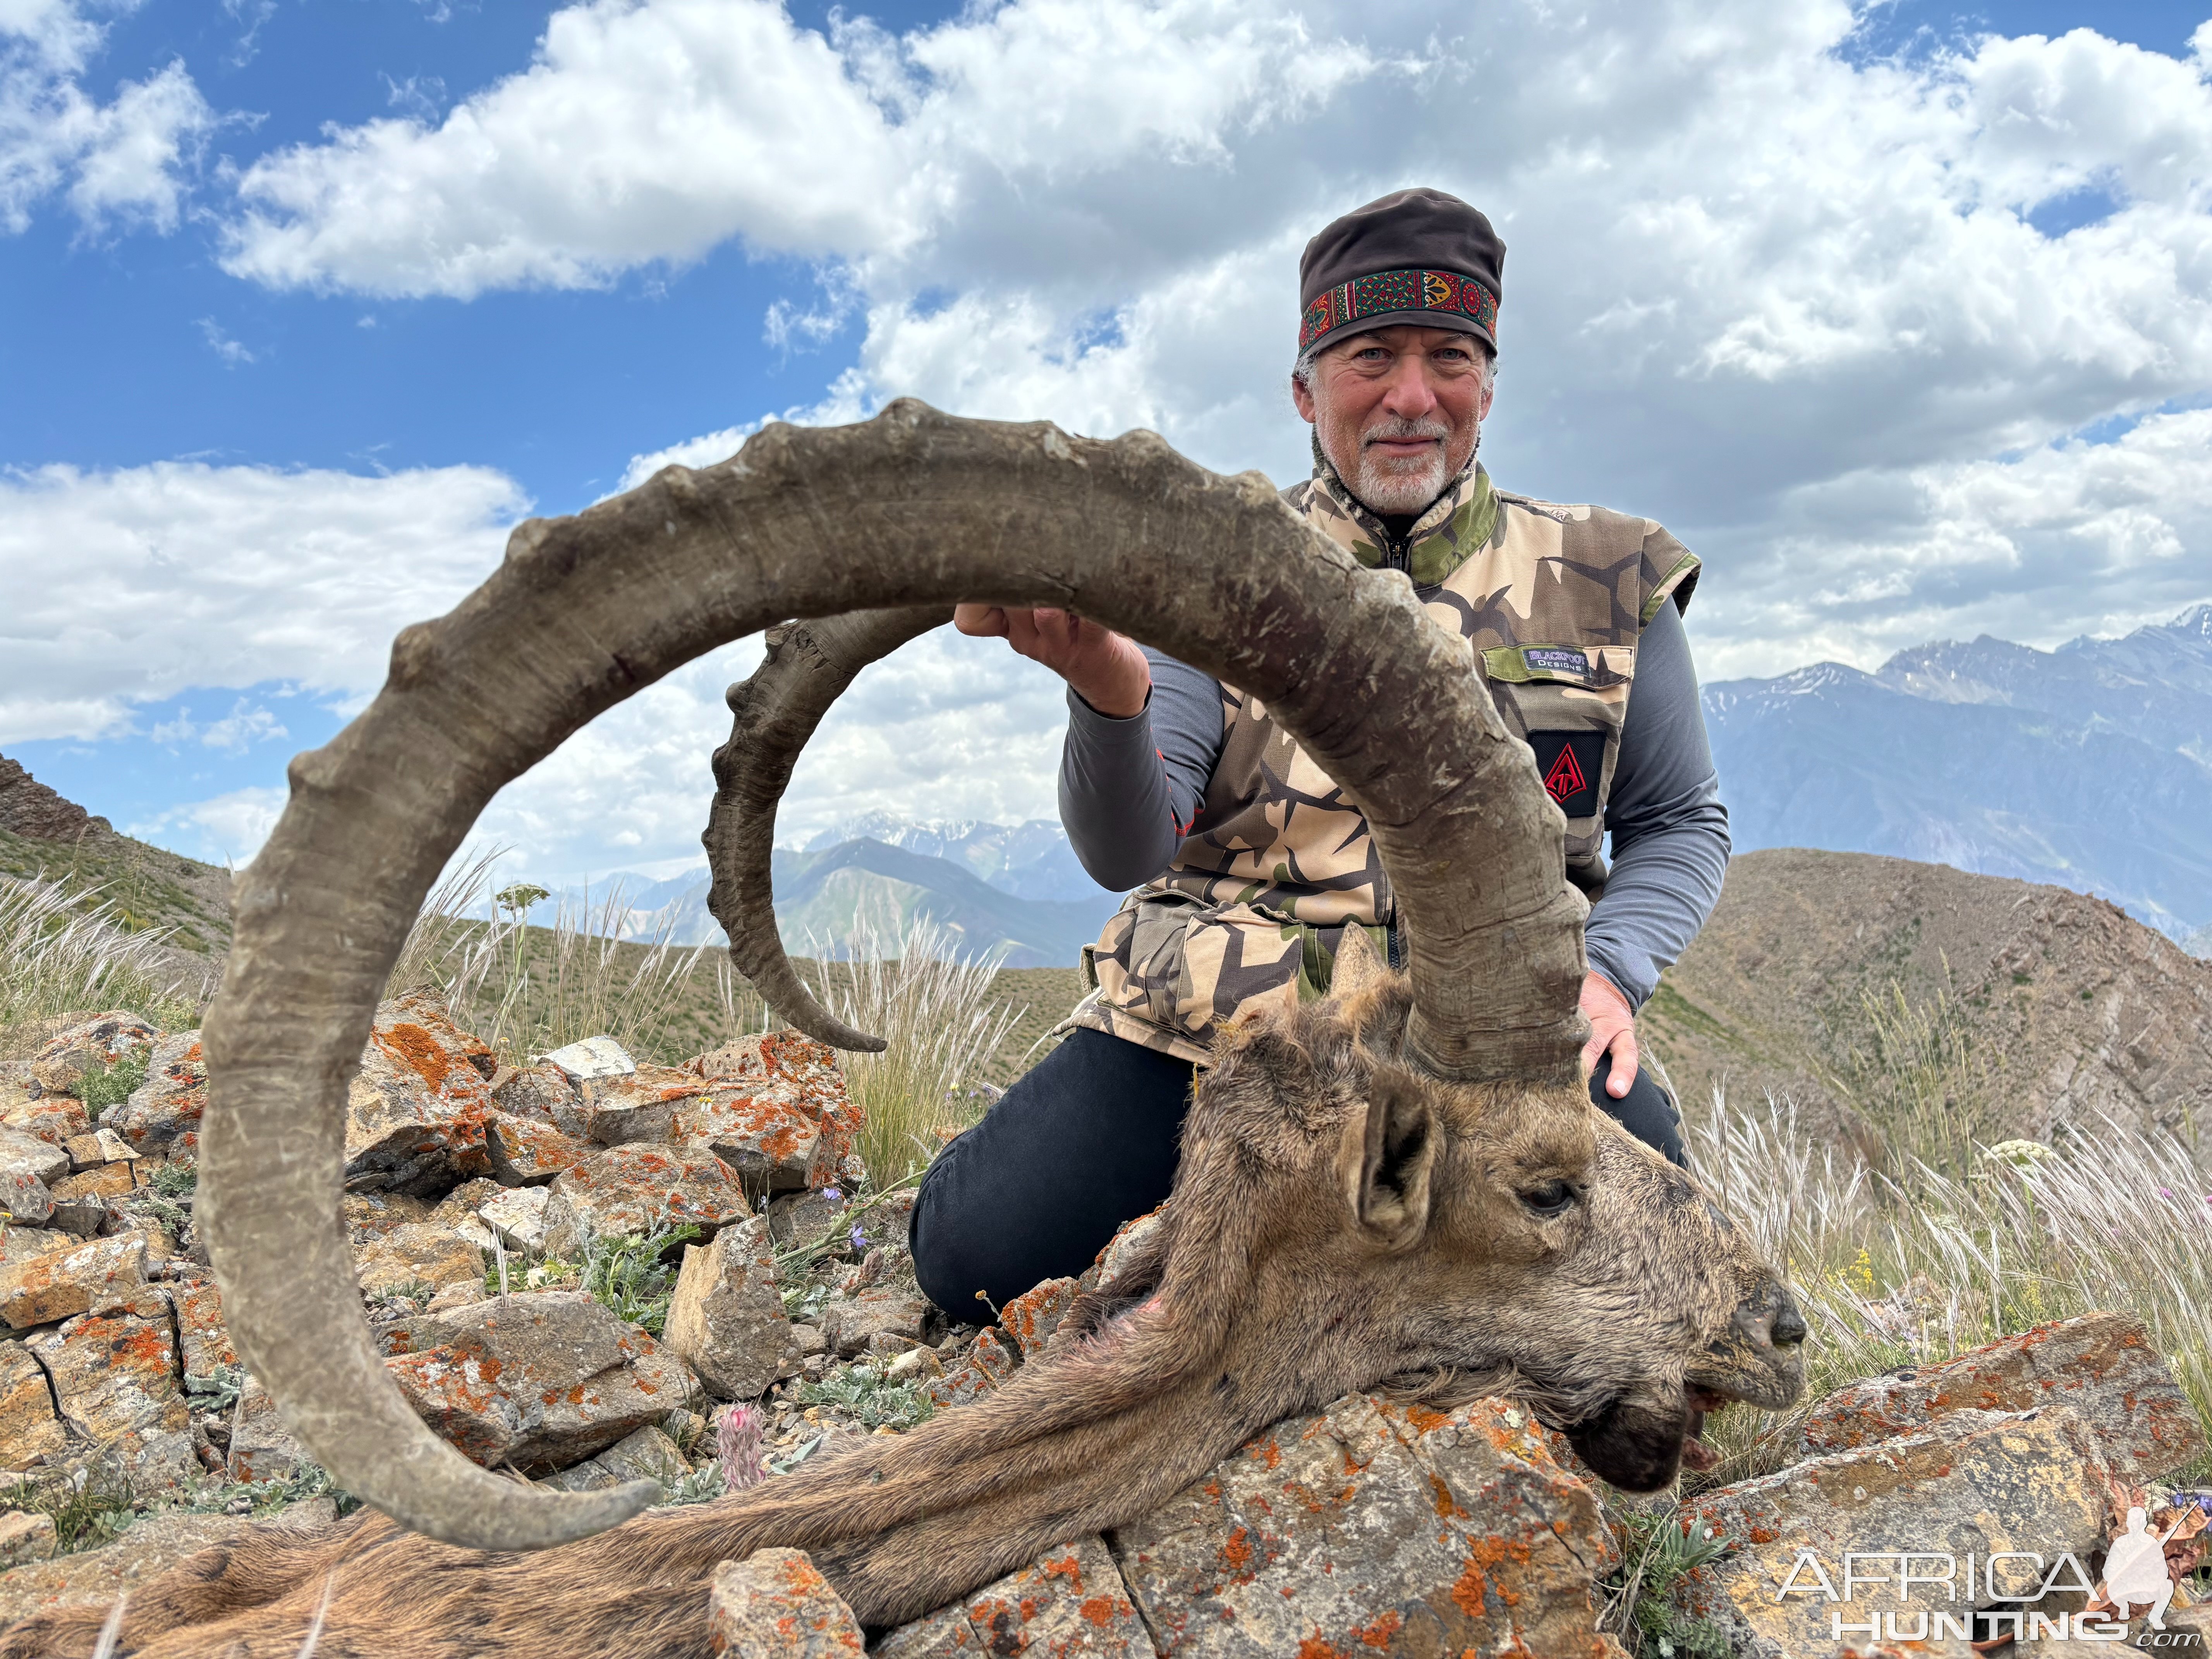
pixel 577 1270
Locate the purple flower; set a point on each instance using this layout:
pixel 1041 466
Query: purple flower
pixel 833 1194
pixel 859 1242
pixel 738 1447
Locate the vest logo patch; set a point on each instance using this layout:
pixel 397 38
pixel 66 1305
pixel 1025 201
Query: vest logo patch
pixel 1555 659
pixel 1569 763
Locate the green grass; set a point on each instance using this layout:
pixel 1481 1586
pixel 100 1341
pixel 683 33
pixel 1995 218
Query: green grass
pixel 112 1086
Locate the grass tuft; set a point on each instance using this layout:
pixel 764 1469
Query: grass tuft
pixel 64 951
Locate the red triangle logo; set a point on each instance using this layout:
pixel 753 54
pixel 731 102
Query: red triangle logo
pixel 1565 778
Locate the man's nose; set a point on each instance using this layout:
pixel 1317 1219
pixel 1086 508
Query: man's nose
pixel 1409 397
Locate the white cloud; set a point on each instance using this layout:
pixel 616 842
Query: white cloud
pixel 227 829
pixel 248 724
pixel 138 583
pixel 124 162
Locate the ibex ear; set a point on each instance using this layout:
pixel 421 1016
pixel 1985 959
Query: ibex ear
pixel 1384 1161
pixel 1357 966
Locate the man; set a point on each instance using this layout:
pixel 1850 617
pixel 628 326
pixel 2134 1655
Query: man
pixel 1251 862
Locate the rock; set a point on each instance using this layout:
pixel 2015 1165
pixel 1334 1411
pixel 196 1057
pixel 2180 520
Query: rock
pixel 543 1094
pixel 517 1216
pixel 725 1317
pixel 647 1454
pixel 92 1045
pixel 1377 1526
pixel 27 1243
pixel 144 1552
pixel 25 1536
pixel 525 1152
pixel 777 1113
pixel 773 1605
pixel 637 1105
pixel 461 1294
pixel 26 1165
pixel 416 1111
pixel 802 1218
pixel 90 1151
pixel 203 1340
pixel 914 1366
pixel 29 1430
pixel 594 1057
pixel 642 1189
pixel 1031 1317
pixel 94 1277
pixel 808 1341
pixel 81 1201
pixel 1971 1483
pixel 987 1364
pixel 24 1200
pixel 371 1216
pixel 881 1309
pixel 54 1118
pixel 1123 1251
pixel 543 1380
pixel 115 1374
pixel 1069 1601
pixel 2101 1366
pixel 162 1119
pixel 417 1252
pixel 262 1446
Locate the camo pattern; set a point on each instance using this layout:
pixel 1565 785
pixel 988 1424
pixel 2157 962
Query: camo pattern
pixel 1552 600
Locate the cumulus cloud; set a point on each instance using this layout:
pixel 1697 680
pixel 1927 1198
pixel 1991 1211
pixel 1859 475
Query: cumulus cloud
pixel 226 828
pixel 1757 278
pixel 125 162
pixel 138 583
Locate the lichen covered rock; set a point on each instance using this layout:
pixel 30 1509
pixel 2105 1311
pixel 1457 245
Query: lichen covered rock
pixel 115 1374
pixel 775 1605
pixel 543 1380
pixel 726 1316
pixel 642 1188
pixel 1068 1602
pixel 416 1112
pixel 162 1117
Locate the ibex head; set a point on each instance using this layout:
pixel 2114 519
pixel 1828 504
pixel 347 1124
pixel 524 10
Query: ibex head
pixel 1407 1178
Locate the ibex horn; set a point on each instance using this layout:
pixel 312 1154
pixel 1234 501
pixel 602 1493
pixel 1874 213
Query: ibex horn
pixel 809 666
pixel 911 508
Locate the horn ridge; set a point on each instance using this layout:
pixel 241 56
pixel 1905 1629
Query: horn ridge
pixel 774 713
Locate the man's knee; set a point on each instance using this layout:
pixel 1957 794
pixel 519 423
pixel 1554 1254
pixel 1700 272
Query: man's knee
pixel 1644 1111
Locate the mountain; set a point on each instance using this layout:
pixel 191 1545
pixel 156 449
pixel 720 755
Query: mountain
pixel 1016 890
pixel 1031 860
pixel 2089 766
pixel 2053 1009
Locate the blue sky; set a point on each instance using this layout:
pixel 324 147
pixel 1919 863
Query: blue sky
pixel 1901 317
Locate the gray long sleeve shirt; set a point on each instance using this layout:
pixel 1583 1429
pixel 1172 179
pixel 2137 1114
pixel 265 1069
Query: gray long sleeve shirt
pixel 1129 790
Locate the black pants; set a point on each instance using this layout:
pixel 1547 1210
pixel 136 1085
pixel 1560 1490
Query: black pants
pixel 1084 1141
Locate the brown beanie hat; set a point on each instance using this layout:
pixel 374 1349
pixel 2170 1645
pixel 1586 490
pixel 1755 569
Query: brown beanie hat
pixel 1418 256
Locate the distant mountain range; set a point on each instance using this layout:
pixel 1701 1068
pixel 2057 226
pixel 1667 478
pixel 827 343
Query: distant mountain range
pixel 2090 766
pixel 1017 891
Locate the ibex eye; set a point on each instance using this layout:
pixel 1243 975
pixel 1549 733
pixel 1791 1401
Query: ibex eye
pixel 1553 1198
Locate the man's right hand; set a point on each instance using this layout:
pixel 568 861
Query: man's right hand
pixel 1106 669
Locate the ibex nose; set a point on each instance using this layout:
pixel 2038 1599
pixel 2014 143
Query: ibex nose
pixel 1769 1318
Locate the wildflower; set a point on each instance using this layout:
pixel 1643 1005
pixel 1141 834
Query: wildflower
pixel 833 1194
pixel 859 1242
pixel 738 1447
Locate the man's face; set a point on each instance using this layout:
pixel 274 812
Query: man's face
pixel 1398 411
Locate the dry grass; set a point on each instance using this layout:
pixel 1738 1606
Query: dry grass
pixel 527 990
pixel 65 951
pixel 1918 1264
pixel 943 1028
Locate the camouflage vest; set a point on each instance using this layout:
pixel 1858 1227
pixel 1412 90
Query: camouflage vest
pixel 1277 861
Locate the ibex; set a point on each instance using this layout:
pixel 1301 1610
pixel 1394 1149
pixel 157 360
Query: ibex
pixel 1403 1183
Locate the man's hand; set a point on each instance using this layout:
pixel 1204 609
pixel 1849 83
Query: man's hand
pixel 1612 1026
pixel 1106 669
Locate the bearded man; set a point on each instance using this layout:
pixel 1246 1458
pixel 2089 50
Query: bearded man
pixel 1248 862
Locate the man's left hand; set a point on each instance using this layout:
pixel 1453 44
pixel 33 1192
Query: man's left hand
pixel 1613 1028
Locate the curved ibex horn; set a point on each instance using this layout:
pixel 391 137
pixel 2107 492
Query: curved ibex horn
pixel 911 508
pixel 809 666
